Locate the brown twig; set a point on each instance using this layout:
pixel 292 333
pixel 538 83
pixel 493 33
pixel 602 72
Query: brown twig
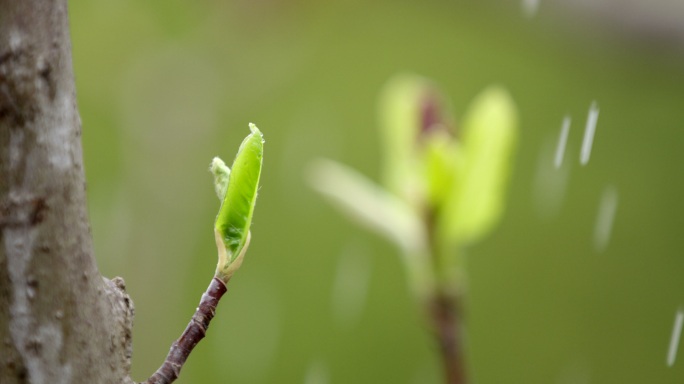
pixel 194 332
pixel 444 313
pixel 445 321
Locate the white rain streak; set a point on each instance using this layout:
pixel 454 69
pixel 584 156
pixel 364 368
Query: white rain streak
pixel 676 335
pixel 530 7
pixel 605 218
pixel 575 372
pixel 549 183
pixel 350 286
pixel 562 142
pixel 589 131
pixel 317 373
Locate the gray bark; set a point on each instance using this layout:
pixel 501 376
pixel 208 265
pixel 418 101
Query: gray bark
pixel 60 321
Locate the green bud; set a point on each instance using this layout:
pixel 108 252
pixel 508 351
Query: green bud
pixel 239 191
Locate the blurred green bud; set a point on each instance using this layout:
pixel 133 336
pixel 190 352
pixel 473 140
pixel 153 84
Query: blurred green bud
pixel 239 191
pixel 489 135
pixel 411 112
pixel 443 161
pixel 444 189
pixel 459 178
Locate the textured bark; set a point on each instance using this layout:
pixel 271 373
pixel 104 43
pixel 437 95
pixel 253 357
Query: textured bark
pixel 60 321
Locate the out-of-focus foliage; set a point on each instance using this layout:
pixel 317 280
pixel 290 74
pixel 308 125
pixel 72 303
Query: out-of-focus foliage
pixel 445 188
pixel 173 82
pixel 488 138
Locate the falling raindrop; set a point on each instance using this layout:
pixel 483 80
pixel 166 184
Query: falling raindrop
pixel 350 286
pixel 530 7
pixel 550 182
pixel 674 340
pixel 589 131
pixel 317 373
pixel 575 372
pixel 562 141
pixel 605 218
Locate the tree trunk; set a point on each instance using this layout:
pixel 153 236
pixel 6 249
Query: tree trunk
pixel 60 321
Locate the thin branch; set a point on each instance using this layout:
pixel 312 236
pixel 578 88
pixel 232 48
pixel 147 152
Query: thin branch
pixel 194 332
pixel 445 320
pixel 444 313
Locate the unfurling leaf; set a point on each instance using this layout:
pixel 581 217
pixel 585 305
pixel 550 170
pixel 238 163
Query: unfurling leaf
pixel 488 139
pixel 368 204
pixel 380 211
pixel 231 228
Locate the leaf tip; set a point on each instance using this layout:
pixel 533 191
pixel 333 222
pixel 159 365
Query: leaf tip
pixel 255 131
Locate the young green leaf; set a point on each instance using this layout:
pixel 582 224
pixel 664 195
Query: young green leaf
pixel 376 209
pixel 368 204
pixel 399 119
pixel 231 228
pixel 489 138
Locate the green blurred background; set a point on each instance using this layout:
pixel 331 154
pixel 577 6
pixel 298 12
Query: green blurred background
pixel 165 85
